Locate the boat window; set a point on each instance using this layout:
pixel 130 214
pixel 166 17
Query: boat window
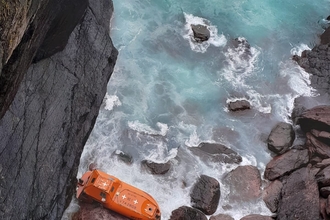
pixel 112 188
pixel 93 180
pixel 102 194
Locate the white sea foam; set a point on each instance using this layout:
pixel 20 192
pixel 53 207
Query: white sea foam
pixel 215 39
pixel 144 128
pixel 111 101
pixel 240 63
pixel 299 49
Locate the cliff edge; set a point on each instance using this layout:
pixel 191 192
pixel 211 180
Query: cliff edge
pixel 56 58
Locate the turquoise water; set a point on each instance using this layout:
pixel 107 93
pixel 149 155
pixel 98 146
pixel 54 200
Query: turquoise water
pixel 168 93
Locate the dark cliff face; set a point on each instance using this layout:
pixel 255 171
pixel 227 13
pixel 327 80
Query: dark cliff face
pixel 44 129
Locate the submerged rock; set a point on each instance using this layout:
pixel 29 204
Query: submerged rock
pixel 205 194
pixel 185 212
pixel 157 168
pixel 216 153
pixel 201 33
pixel 281 138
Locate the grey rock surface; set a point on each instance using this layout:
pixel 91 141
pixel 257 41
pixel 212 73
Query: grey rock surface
pixel 281 138
pixel 46 126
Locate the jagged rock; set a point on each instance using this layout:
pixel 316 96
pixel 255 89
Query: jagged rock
pixel 316 147
pixel 281 138
pixel 272 195
pixel 95 211
pixel 216 153
pixel 221 217
pixel 323 177
pixel 300 196
pixel 324 163
pixel 315 118
pixel 325 191
pixel 49 121
pixel 256 217
pixel 239 105
pixel 157 168
pixel 327 206
pixel 201 33
pixel 185 212
pixel 205 194
pixel 286 163
pixel 244 183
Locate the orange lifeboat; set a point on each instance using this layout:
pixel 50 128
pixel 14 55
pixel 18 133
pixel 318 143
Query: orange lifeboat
pixel 116 195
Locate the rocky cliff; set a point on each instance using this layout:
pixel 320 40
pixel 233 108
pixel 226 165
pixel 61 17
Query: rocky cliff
pixel 56 58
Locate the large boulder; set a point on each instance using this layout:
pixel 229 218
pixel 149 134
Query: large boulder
pixel 286 163
pixel 315 118
pixel 316 147
pixel 185 213
pixel 49 121
pixel 300 196
pixel 205 194
pixel 95 211
pixel 281 138
pixel 244 183
pixel 272 195
pixel 216 152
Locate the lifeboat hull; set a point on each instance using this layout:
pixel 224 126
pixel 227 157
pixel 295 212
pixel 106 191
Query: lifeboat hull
pixel 118 196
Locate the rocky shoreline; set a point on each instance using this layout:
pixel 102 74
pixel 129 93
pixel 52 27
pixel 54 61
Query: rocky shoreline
pixel 54 70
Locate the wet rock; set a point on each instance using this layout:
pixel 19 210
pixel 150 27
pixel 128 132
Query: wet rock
pixel 286 163
pixel 157 168
pixel 201 33
pixel 55 108
pixel 244 183
pixel 185 212
pixel 216 153
pixel 221 217
pixel 272 195
pixel 315 118
pixel 300 196
pixel 323 177
pixel 281 138
pixel 256 217
pixel 239 105
pixel 95 211
pixel 324 163
pixel 205 194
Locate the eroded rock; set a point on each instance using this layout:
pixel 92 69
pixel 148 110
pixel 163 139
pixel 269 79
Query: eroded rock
pixel 157 168
pixel 239 105
pixel 221 217
pixel 256 217
pixel 272 195
pixel 201 33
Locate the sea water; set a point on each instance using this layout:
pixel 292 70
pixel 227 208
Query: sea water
pixel 169 93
